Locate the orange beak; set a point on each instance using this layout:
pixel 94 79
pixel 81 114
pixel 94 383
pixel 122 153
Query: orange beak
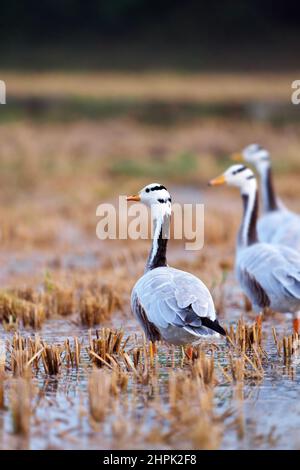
pixel 237 157
pixel 217 181
pixel 296 325
pixel 136 198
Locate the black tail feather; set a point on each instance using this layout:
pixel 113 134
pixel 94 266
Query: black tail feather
pixel 213 325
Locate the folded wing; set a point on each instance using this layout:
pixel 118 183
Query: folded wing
pixel 171 297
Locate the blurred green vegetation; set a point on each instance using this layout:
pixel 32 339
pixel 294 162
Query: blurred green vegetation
pixel 156 112
pixel 179 165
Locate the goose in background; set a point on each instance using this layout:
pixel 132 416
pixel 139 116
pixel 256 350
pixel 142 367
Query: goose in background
pixel 170 304
pixel 277 224
pixel 269 274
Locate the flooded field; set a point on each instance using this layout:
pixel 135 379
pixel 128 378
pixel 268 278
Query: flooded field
pixel 236 394
pixel 75 369
pixel 157 406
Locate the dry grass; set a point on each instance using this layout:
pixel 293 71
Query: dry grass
pixel 153 86
pixel 20 405
pixel 72 356
pixel 245 337
pixel 96 308
pixel 51 357
pixel 14 310
pixel 99 390
pixel 106 347
pixel 183 395
pixel 192 416
pixel 52 178
pixel 27 354
pixel 93 302
pixel 71 168
pixel 24 354
pixel 2 374
pixel 287 346
pixel 64 301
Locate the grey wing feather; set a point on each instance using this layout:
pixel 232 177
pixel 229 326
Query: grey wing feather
pixel 280 227
pixel 289 277
pixel 254 290
pixel 268 224
pixel 173 297
pixel 150 329
pixel 270 272
pixel 289 233
pixel 291 255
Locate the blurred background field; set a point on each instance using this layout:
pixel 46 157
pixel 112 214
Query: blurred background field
pixel 104 97
pixel 70 141
pixel 107 97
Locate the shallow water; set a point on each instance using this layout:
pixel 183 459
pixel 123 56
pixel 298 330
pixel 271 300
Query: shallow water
pixel 271 407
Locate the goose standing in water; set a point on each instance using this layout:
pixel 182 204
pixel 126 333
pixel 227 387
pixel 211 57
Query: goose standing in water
pixel 277 224
pixel 170 304
pixel 269 274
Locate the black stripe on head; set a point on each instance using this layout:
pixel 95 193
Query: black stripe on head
pixel 164 201
pixel 157 188
pixel 239 170
pixel 250 177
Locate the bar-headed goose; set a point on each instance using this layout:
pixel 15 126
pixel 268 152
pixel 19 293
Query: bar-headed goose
pixel 277 224
pixel 170 304
pixel 268 274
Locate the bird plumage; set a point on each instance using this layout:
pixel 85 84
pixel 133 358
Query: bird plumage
pixel 269 274
pixel 277 224
pixel 174 299
pixel 270 277
pixel 170 304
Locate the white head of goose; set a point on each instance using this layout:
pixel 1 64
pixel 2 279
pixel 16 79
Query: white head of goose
pixel 277 224
pixel 170 304
pixel 268 274
pixel 259 157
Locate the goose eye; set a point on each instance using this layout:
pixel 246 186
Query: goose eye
pixel 147 190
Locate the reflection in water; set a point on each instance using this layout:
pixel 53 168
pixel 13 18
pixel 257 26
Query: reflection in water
pixel 270 406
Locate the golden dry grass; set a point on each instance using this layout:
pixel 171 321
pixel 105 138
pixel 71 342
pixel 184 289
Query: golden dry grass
pixel 182 394
pixel 204 87
pixel 52 177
